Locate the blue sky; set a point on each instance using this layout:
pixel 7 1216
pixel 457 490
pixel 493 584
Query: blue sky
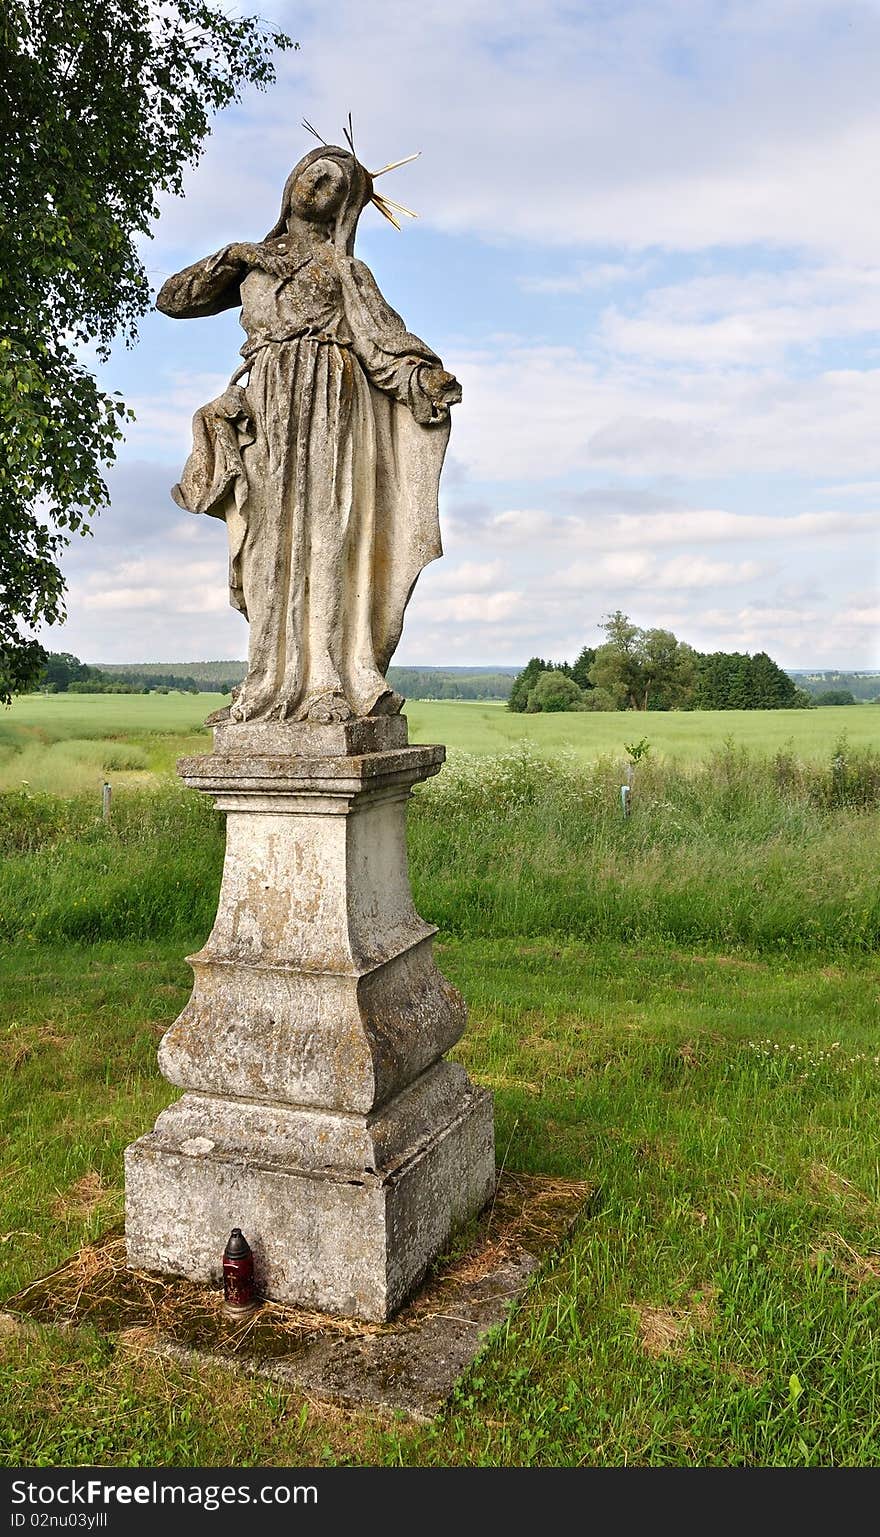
pixel 647 245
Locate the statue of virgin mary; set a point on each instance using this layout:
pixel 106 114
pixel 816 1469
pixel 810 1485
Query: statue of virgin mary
pixel 325 463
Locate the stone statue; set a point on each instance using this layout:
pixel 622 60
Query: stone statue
pixel 319 1112
pixel 325 465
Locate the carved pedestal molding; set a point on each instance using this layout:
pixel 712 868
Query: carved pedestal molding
pixel 319 1115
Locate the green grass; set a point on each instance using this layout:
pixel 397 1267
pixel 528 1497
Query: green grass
pixel 686 736
pixel 56 716
pixel 717 1306
pixel 679 1007
pixel 69 744
pixel 766 854
pixel 48 740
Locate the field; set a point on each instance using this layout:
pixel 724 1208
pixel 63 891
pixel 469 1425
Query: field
pixel 679 1007
pixel 685 737
pixel 69 742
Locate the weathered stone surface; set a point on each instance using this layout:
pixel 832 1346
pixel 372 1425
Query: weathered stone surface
pixel 310 785
pixel 319 1140
pixel 325 465
pixel 305 739
pixel 319 1115
pixel 353 1242
pixel 311 1038
pixel 326 890
pixel 317 985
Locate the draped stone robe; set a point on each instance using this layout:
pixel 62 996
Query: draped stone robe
pixel 325 467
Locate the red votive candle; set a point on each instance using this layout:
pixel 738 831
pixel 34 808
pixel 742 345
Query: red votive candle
pixel 238 1276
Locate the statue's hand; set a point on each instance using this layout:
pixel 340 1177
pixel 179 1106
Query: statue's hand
pixel 442 388
pixel 242 253
pixel 273 256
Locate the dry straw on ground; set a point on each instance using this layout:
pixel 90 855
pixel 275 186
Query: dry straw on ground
pixel 96 1286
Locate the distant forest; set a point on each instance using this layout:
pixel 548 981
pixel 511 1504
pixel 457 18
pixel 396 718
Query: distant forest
pixel 66 673
pixel 639 669
pixel 863 686
pixel 666 675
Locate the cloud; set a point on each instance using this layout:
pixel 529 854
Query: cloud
pixel 586 277
pixel 654 440
pixel 163 423
pixel 470 575
pixel 795 637
pixel 728 319
pixel 534 412
pixel 648 123
pixel 151 584
pixel 637 571
pixel 471 607
pixel 181 585
pixel 870 488
pixel 123 598
pixel 862 618
pixel 686 526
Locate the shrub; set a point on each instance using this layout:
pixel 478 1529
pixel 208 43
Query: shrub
pixel 553 691
pixel 599 699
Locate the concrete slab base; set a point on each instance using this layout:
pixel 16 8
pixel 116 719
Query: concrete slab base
pixel 410 1365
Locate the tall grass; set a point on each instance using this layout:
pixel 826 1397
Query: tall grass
pixel 767 853
pixel 742 851
pixel 72 767
pixel 687 736
pixel 153 869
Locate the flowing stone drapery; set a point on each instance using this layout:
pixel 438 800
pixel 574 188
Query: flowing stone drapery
pixel 325 465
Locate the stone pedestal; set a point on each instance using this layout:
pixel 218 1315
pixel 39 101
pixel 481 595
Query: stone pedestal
pixel 319 1115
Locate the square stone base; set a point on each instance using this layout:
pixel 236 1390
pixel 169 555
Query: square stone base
pixel 354 1244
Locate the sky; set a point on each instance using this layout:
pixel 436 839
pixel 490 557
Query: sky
pixel 647 245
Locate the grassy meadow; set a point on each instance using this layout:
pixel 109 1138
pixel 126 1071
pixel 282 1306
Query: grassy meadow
pixel 683 736
pixel 69 742
pixel 679 1007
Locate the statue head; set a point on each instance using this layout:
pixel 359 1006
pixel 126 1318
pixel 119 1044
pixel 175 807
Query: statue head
pixel 328 186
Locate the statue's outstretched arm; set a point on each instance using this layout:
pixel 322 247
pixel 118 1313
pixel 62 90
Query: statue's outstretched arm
pixel 207 287
pixel 396 360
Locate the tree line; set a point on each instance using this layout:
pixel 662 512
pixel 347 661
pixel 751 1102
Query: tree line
pixel 634 670
pixel 412 682
pixel 834 687
pixel 64 673
pixel 650 669
pixel 451 683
